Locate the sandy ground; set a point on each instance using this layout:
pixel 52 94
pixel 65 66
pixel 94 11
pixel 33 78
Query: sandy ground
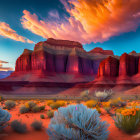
pixel 8 134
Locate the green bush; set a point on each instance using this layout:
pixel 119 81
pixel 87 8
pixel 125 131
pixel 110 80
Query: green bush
pixel 30 104
pixel 36 109
pixel 18 127
pixel 9 104
pixel 42 116
pixel 128 120
pixel 50 114
pixel 42 107
pixel 37 125
pixel 54 105
pixel 23 109
pixel 1 98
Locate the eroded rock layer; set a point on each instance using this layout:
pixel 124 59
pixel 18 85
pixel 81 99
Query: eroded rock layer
pixel 60 56
pixel 126 69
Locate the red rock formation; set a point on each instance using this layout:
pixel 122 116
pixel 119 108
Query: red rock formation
pixel 109 67
pixel 122 72
pixel 23 63
pixel 59 56
pixel 139 65
pixel 72 62
pixel 64 43
pixel 101 51
pixel 128 65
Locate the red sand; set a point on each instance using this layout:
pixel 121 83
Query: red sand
pixel 115 133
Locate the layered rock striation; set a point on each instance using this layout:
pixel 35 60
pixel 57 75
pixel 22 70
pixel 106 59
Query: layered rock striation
pixel 125 70
pixel 60 56
pixel 99 50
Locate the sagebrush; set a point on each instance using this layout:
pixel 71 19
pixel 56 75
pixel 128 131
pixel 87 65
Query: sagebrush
pixel 77 122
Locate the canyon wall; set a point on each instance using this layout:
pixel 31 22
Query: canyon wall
pixel 123 70
pixel 61 56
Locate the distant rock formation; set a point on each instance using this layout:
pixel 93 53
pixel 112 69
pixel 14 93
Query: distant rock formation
pixel 122 71
pixel 109 67
pixel 53 66
pixel 61 56
pixel 101 51
pixel 57 65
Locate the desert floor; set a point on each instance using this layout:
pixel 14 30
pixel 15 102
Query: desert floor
pixel 28 118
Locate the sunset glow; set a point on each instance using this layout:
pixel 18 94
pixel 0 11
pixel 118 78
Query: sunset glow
pixel 89 21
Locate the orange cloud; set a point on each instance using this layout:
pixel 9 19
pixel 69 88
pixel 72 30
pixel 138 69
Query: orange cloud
pixel 7 32
pixel 4 68
pixel 89 21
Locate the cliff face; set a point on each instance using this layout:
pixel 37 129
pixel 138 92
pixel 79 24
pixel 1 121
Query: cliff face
pixel 23 63
pixel 123 69
pixel 60 56
pixel 109 67
pixel 128 65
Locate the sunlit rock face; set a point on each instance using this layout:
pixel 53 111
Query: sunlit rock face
pixel 128 65
pixel 122 71
pixel 109 67
pixel 61 56
pixel 23 63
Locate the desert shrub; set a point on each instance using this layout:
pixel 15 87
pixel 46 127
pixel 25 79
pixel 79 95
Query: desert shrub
pixel 77 122
pixel 85 95
pixel 49 102
pixel 30 104
pixel 117 103
pixel 60 103
pixel 4 118
pixel 1 98
pixel 128 119
pixel 54 105
pixel 134 104
pixel 18 127
pixel 36 109
pixel 9 104
pixel 23 109
pixel 42 107
pixel 50 114
pixel 91 103
pixel 37 125
pixel 103 96
pixel 42 116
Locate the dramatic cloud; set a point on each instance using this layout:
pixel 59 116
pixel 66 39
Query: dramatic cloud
pixel 54 14
pixel 7 32
pixel 89 21
pixel 4 68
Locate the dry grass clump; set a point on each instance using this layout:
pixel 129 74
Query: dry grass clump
pixel 91 103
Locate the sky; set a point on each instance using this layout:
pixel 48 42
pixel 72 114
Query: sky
pixel 110 24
